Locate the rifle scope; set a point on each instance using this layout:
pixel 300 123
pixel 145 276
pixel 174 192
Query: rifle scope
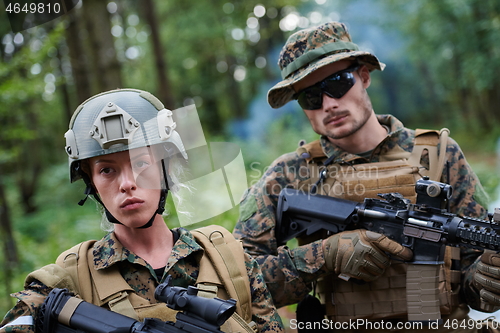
pixel 432 193
pixel 213 310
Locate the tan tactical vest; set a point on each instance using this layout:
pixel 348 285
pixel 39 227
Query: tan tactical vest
pixel 397 171
pixel 222 274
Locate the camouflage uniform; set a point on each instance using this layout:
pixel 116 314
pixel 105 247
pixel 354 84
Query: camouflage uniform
pixel 289 272
pixel 182 265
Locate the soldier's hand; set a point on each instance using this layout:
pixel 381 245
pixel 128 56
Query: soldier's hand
pixel 361 254
pixel 487 281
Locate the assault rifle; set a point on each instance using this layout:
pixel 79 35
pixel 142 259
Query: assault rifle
pixel 63 313
pixel 425 227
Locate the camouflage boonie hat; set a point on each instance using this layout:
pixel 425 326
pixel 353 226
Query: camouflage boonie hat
pixel 310 49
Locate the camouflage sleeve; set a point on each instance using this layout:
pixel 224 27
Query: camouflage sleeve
pixel 22 316
pixel 264 312
pixel 469 199
pixel 288 273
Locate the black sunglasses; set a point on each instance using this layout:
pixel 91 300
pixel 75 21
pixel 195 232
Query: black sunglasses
pixel 335 86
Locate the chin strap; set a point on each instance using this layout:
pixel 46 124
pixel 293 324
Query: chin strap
pixel 89 190
pixel 159 211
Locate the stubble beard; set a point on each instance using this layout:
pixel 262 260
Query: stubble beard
pixel 357 124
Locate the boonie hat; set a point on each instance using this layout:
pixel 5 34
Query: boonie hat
pixel 310 49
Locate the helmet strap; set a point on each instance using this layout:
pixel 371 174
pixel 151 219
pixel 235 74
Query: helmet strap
pixel 163 197
pixel 88 190
pixel 159 211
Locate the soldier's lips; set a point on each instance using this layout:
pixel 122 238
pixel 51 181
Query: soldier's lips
pixel 335 120
pixel 131 204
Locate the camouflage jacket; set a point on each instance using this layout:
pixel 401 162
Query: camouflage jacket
pixel 182 266
pixel 289 272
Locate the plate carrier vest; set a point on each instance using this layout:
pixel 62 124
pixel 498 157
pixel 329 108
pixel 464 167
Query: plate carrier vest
pixel 397 171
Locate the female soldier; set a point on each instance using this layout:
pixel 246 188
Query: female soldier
pixel 123 144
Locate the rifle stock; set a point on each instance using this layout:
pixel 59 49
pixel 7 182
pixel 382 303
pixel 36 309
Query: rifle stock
pixel 425 227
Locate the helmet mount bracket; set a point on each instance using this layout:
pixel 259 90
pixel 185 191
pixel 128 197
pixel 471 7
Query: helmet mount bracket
pixel 113 126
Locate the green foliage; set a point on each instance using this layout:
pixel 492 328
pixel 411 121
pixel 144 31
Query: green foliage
pixel 450 47
pixel 21 90
pixel 441 73
pixel 490 180
pixel 210 51
pixel 59 224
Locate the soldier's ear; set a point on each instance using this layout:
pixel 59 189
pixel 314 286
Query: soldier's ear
pixel 365 76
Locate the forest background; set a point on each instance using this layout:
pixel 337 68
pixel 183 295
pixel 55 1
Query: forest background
pixel 443 60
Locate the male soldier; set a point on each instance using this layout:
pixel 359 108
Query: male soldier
pixel 358 155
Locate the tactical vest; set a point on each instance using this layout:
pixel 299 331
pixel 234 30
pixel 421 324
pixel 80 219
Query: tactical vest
pixel 222 274
pixel 397 171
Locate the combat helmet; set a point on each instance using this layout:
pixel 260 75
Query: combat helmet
pixel 120 120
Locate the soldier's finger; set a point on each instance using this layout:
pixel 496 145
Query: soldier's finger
pixel 487 282
pixel 486 269
pixel 378 258
pixel 491 258
pixel 374 267
pixel 394 248
pixel 490 297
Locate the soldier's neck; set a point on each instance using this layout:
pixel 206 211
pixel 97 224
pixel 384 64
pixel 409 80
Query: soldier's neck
pixel 369 136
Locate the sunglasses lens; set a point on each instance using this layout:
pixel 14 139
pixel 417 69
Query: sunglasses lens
pixel 339 85
pixel 334 86
pixel 311 98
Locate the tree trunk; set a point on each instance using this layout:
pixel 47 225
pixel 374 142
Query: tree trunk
pixel 28 178
pixel 164 92
pixel 28 162
pixel 65 96
pixel 11 258
pixel 105 68
pixel 78 60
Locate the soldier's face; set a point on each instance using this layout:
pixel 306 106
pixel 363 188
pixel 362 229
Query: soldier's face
pixel 338 118
pixel 128 184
